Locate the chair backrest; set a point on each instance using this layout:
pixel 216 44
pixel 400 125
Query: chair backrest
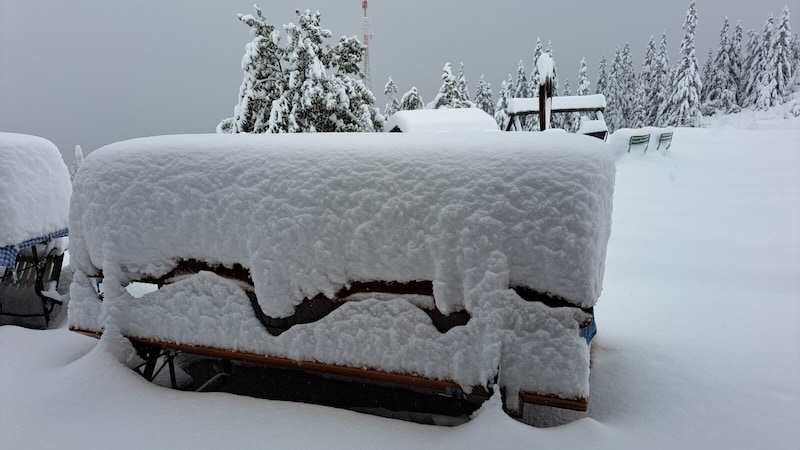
pixel 665 137
pixel 640 139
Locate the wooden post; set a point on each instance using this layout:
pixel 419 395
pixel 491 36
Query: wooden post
pixel 545 93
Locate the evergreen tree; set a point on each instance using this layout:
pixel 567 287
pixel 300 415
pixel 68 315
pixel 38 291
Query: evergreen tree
pixel 735 55
pixel 501 110
pixel 720 87
pixel 684 99
pixel 602 78
pixel 783 56
pixel 263 80
pixel 630 85
pixel 616 96
pixel 751 59
pixel 705 77
pixel 583 79
pixel 662 81
pixel 648 86
pixel 449 95
pixel 765 86
pixel 522 90
pixel 569 121
pixel 411 100
pixel 303 86
pixel 390 90
pixel 484 99
pixel 461 83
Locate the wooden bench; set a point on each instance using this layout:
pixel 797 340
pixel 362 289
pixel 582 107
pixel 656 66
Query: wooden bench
pixel 638 140
pixel 665 138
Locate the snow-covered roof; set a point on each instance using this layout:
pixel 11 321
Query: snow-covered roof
pixel 34 188
pixel 441 120
pixel 309 213
pixel 575 103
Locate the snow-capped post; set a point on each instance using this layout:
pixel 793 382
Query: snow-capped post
pixel 76 162
pixel 545 67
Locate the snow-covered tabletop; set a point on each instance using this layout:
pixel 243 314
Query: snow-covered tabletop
pixel 34 193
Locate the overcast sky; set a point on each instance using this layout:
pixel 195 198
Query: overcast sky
pixel 94 72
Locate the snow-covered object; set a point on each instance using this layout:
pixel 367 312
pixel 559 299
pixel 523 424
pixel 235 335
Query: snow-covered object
pixel 545 66
pixel 308 214
pixel 441 120
pixel 595 102
pixel 34 188
pixel 475 213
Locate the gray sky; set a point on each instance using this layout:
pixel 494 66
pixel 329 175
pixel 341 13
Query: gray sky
pixel 92 72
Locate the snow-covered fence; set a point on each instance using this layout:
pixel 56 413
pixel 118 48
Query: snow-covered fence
pixel 480 222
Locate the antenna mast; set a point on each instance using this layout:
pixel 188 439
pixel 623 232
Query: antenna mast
pixel 367 37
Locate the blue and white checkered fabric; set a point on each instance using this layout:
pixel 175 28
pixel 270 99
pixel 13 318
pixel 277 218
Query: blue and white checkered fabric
pixel 589 332
pixel 8 254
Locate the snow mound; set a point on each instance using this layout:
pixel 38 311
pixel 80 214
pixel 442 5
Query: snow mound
pixel 308 214
pixel 34 188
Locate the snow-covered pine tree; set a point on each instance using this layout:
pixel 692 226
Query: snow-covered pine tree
pixel 500 111
pixel 765 86
pixel 522 90
pixel 484 99
pixel 751 60
pixel 616 95
pixel 632 112
pixel 684 100
pixel 735 55
pixel 648 100
pixel 533 86
pixel 461 83
pixel 306 85
pixel 719 89
pixel 584 87
pixel 390 90
pixel 449 95
pixel 783 56
pixel 76 162
pixel 569 121
pixel 411 100
pixel 602 78
pixel 662 81
pixel 263 80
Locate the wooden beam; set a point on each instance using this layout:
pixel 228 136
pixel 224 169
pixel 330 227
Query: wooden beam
pixel 576 404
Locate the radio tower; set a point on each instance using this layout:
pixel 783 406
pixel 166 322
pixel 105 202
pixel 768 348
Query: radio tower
pixel 367 37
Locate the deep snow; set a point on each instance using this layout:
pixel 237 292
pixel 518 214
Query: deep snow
pixel 698 345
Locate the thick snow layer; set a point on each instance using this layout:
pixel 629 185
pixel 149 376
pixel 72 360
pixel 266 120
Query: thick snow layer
pixel 545 67
pixel 698 346
pixel 307 214
pixel 441 120
pixel 34 188
pixel 594 102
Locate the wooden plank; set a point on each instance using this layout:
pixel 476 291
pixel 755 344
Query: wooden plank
pixel 577 404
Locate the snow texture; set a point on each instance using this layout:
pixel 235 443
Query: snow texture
pixel 546 68
pixel 308 214
pixel 34 188
pixel 441 120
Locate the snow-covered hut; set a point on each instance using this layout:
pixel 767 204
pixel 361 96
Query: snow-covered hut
pixel 441 120
pixel 441 260
pixel 34 205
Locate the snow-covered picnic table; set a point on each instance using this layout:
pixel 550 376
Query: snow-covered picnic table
pixel 487 220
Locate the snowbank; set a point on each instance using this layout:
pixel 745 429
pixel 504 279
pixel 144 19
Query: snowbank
pixel 34 188
pixel 441 120
pixel 308 214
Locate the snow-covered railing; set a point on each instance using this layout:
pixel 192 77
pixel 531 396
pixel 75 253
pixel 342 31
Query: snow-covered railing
pixel 575 103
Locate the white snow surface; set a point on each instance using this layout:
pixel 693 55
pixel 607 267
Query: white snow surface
pixel 309 213
pixel 545 66
pixel 592 102
pixel 698 345
pixel 441 120
pixel 34 188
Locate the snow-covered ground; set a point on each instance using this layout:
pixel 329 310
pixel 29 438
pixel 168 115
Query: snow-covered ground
pixel 698 346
